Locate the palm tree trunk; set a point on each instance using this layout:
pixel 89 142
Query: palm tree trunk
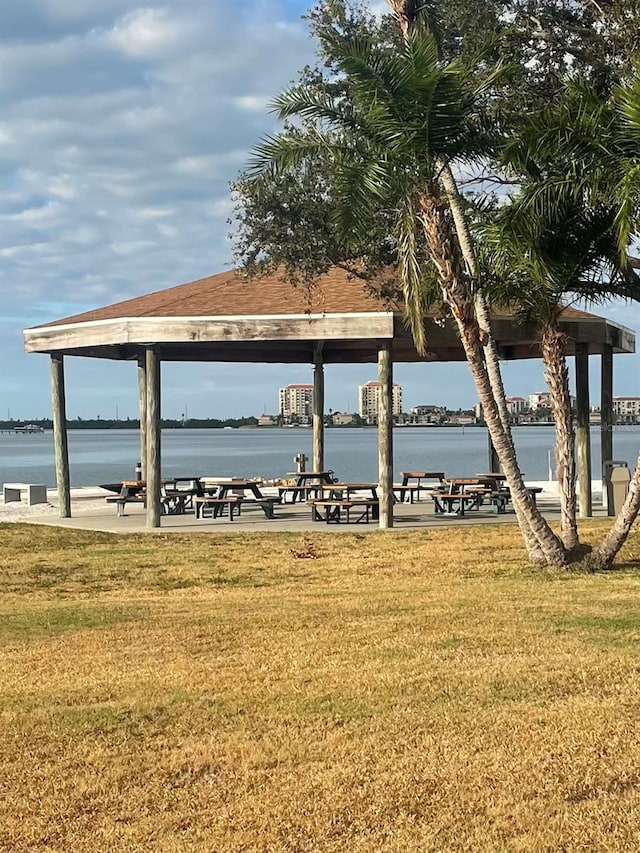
pixel 556 374
pixel 492 360
pixel 617 535
pixel 405 12
pixel 540 541
pixel 442 250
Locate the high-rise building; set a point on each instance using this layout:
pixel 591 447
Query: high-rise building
pixel 296 401
pixel 369 401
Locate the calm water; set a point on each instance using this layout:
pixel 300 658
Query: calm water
pixel 103 456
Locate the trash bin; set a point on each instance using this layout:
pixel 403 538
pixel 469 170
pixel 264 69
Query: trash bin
pixel 615 484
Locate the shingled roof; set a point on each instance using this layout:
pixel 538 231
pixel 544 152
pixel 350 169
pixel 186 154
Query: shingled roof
pixel 230 317
pixel 234 294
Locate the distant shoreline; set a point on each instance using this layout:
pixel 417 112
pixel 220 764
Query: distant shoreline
pixel 173 425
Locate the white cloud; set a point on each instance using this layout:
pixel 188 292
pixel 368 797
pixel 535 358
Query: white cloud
pixel 121 126
pixel 148 33
pixel 254 103
pixel 46 213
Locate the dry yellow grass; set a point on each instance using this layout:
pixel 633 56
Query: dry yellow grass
pixel 404 692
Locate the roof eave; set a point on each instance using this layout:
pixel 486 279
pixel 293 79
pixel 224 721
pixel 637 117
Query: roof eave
pixel 159 330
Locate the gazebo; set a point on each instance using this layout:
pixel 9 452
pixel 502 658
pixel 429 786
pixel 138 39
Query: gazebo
pixel 231 318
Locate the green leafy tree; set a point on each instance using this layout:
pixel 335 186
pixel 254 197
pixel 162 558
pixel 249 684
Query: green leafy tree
pixel 405 116
pixel 568 252
pixel 566 235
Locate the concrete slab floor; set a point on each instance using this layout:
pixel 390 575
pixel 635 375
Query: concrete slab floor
pixel 289 518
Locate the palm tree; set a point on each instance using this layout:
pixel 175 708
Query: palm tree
pixel 569 251
pixel 409 14
pixel 621 166
pixel 567 234
pixel 405 117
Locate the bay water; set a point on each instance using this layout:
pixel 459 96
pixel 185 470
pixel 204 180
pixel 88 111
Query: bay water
pixel 106 456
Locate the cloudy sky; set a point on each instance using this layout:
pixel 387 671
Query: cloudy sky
pixel 120 128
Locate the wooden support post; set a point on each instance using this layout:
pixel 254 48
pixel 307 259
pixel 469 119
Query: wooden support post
pixel 606 411
pixel 61 449
pixel 318 408
pixel 582 429
pixel 385 435
pixel 142 408
pixel 494 462
pixel 152 472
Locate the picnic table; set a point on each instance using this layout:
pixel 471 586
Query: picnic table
pixel 221 493
pixel 306 483
pixel 338 498
pixel 502 491
pixel 496 476
pixel 461 494
pixel 339 501
pixel 177 494
pixel 412 483
pixel 175 497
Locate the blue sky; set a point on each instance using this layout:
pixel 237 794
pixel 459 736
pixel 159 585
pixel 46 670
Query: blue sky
pixel 120 128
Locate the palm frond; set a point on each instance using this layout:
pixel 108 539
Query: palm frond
pixel 409 273
pixel 276 154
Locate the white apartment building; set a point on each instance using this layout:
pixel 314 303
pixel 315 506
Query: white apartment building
pixel 296 401
pixel 626 408
pixel 369 401
pixel 516 405
pixel 539 399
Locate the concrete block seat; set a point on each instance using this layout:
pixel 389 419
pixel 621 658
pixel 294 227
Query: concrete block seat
pixel 36 492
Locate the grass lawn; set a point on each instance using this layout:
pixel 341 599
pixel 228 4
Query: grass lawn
pixel 422 691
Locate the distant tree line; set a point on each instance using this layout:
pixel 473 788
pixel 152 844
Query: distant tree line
pixel 134 423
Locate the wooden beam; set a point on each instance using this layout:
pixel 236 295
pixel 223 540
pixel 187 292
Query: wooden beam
pixel 318 408
pixel 606 413
pixel 582 429
pixel 152 362
pixel 142 408
pixel 385 435
pixel 138 330
pixel 60 445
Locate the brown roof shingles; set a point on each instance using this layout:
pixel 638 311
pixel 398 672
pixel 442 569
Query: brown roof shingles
pixel 232 294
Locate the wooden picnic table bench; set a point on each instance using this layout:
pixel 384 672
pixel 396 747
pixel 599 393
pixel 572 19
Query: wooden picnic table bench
pixel 349 492
pixel 335 510
pixel 122 500
pixel 456 504
pixel 131 491
pixel 401 492
pixel 251 493
pixel 266 504
pixel 217 505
